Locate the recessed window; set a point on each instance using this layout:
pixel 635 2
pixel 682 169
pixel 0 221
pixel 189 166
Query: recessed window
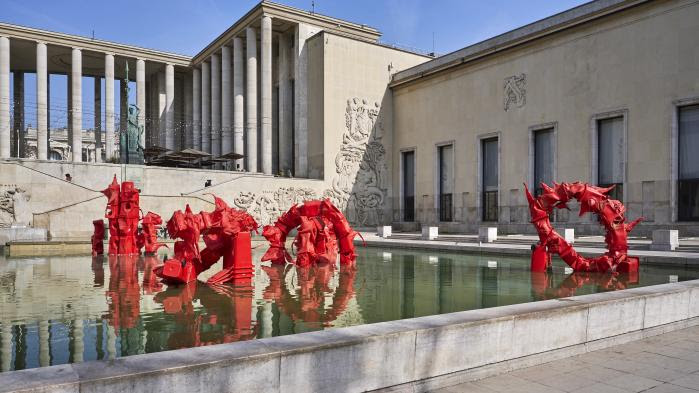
pixel 610 155
pixel 446 183
pixel 408 186
pixel 543 158
pixel 489 154
pixel 688 179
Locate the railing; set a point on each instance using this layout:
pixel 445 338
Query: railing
pixel 490 206
pixel 409 208
pixel 445 207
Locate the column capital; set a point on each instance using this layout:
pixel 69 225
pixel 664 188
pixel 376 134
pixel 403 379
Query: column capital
pixel 77 48
pixel 40 42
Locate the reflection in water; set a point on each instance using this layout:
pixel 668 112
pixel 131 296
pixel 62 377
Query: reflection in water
pixel 70 309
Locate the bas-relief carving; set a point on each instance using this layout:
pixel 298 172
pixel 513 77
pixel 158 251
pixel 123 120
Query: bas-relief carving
pixel 360 184
pixel 14 206
pixel 515 91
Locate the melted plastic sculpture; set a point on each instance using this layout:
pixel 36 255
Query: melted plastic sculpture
pixel 123 214
pixel 322 229
pixel 98 238
pixel 610 214
pixel 148 238
pixel 226 234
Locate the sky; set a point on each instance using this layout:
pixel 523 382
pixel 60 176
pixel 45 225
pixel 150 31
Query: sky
pixel 186 27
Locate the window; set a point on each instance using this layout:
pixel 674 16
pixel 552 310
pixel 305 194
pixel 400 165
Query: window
pixel 446 176
pixel 610 155
pixel 409 186
pixel 543 158
pixel 489 148
pixel 688 179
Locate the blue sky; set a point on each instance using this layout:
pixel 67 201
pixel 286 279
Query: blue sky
pixel 185 27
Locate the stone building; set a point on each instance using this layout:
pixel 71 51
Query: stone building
pixel 606 92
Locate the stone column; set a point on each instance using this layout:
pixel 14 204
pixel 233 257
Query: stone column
pixel 4 97
pixel 42 118
pixel 162 109
pixel 169 107
pixel 251 100
pixel 111 342
pixel 78 341
pixel 109 105
pixel 141 97
pixel 226 76
pixel 238 101
pixel 266 93
pixel 302 33
pixel 196 108
pixel 215 105
pixel 77 104
pixel 98 118
pixel 6 328
pixel 18 127
pixel 123 107
pixel 286 126
pixel 188 113
pixel 205 108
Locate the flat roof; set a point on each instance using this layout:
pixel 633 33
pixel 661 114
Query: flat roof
pixel 566 19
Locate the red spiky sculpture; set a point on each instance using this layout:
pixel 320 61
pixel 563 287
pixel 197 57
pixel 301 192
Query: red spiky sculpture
pixel 148 238
pixel 322 229
pixel 610 214
pixel 123 213
pixel 226 234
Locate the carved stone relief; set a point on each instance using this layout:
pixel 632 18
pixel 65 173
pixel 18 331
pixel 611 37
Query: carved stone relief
pixel 14 206
pixel 515 91
pixel 360 184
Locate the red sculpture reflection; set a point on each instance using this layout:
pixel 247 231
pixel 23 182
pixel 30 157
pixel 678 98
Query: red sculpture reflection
pixel 226 234
pixel 610 214
pixel 308 303
pixel 124 292
pixel 97 238
pixel 226 314
pixel 322 229
pixel 543 287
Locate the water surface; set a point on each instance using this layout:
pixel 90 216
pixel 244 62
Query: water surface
pixel 56 310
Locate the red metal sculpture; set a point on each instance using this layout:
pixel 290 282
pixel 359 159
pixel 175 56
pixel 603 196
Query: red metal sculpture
pixel 322 229
pixel 610 214
pixel 123 214
pixel 226 234
pixel 148 237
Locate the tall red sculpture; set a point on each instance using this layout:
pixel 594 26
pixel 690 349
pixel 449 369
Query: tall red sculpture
pixel 322 230
pixel 610 214
pixel 226 234
pixel 124 214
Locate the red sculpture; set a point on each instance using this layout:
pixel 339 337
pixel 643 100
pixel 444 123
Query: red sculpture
pixel 226 234
pixel 148 237
pixel 543 288
pixel 610 214
pixel 123 214
pixel 98 238
pixel 322 228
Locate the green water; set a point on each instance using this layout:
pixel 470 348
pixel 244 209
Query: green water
pixel 56 310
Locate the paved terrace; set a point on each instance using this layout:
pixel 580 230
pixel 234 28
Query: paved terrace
pixel 659 364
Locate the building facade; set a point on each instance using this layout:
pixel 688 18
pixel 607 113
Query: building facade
pixel 606 93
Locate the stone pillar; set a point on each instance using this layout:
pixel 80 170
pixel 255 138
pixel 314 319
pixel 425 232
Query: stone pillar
pixel 226 90
pixel 162 109
pixel 141 97
pixel 44 344
pixel 111 342
pixel 286 115
pixel 78 341
pixel 302 33
pixel 77 104
pixel 123 107
pixel 188 113
pixel 238 101
pixel 18 127
pixel 4 97
pixel 169 107
pixel 215 105
pixel 205 108
pixel 109 105
pixel 98 118
pixel 266 93
pixel 196 108
pixel 42 118
pixel 6 328
pixel 251 100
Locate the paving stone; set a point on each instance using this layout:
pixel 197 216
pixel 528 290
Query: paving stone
pixel 567 382
pixel 690 381
pixel 634 383
pixel 670 388
pixel 600 388
pixel 659 373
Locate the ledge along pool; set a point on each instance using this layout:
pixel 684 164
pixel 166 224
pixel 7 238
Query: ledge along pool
pixel 60 309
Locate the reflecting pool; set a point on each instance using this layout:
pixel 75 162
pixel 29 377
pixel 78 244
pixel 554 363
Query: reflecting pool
pixel 56 310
